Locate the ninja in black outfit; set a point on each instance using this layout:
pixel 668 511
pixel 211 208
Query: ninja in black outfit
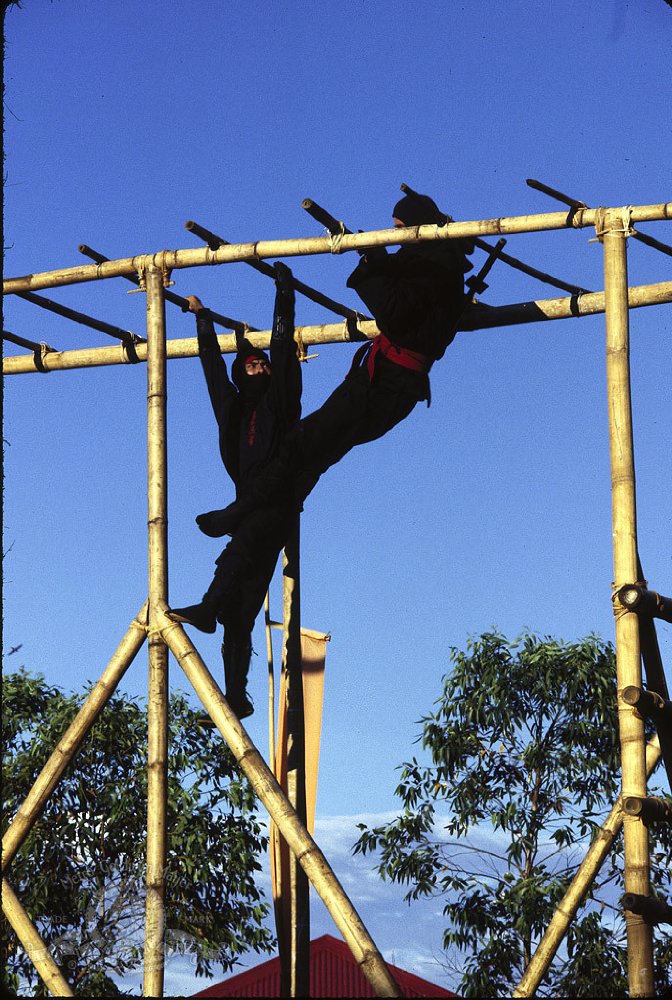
pixel 254 413
pixel 416 296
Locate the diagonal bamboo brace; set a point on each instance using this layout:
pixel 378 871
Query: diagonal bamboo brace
pixel 578 889
pixel 73 738
pixel 33 944
pixel 299 841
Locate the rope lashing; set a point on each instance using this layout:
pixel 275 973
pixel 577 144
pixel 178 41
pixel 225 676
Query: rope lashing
pixel 301 347
pixel 39 355
pixel 601 228
pixel 336 239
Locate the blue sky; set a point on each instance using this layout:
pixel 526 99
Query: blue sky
pixel 492 508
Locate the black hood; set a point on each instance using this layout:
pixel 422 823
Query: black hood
pixel 250 387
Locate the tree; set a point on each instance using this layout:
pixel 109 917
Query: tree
pixel 80 873
pixel 524 763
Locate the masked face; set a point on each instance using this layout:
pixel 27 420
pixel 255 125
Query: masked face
pixel 257 366
pixel 251 375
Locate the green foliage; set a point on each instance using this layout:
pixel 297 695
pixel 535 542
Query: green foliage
pixel 80 874
pixel 524 767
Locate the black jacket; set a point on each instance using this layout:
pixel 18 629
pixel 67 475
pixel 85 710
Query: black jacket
pixel 416 295
pixel 249 438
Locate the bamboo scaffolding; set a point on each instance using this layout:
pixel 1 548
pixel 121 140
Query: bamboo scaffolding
pixel 612 232
pixel 335 226
pixel 295 946
pixel 73 738
pixel 178 300
pixel 307 246
pixel 214 242
pixel 578 889
pixel 575 204
pixel 283 814
pixel 157 526
pixel 479 317
pixel 32 944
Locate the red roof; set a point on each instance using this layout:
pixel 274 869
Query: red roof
pixel 333 973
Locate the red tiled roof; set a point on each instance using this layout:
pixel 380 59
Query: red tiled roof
pixel 333 973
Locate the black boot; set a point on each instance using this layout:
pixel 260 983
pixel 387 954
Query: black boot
pixel 236 652
pixel 202 616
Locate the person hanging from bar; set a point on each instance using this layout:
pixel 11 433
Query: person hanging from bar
pixel 417 297
pixel 255 410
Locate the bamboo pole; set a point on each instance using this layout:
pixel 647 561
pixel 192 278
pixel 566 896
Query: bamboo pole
pixel 628 655
pixel 578 888
pixel 573 203
pixel 271 682
pixel 79 317
pixel 295 953
pixel 157 522
pixel 214 242
pixel 73 738
pixel 479 317
pixel 305 246
pixel 32 944
pixel 280 809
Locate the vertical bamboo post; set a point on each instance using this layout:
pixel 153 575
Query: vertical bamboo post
pixel 33 944
pixel 271 682
pixel 628 657
pixel 158 653
pixel 295 962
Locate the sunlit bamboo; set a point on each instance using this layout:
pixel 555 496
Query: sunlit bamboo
pixel 479 317
pixel 282 813
pixel 628 655
pixel 157 523
pixel 579 887
pixel 307 246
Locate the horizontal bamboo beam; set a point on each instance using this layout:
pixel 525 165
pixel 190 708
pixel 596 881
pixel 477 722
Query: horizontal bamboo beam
pixel 479 317
pixel 652 809
pixel 32 943
pixel 655 911
pixel 306 246
pixel 214 242
pixel 177 300
pixel 637 598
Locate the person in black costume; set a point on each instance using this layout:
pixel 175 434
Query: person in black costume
pixel 417 297
pixel 254 411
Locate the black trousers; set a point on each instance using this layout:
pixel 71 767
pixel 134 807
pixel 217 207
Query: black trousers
pixel 357 411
